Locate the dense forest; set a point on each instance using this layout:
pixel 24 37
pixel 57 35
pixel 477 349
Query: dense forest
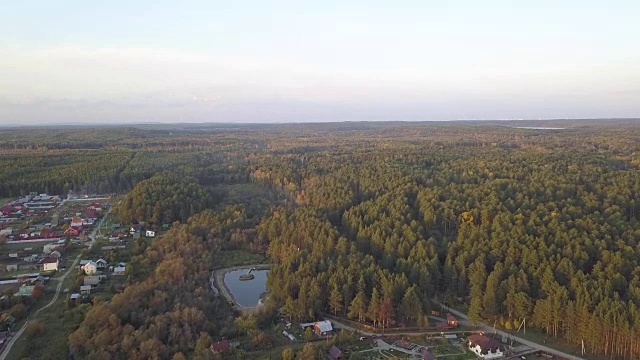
pixel 380 223
pixel 162 199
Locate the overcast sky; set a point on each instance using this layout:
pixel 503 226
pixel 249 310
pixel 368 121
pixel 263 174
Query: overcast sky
pixel 284 61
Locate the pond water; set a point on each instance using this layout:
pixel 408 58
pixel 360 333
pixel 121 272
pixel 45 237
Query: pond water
pixel 246 293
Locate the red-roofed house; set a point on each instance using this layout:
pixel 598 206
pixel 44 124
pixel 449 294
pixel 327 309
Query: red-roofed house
pixel 71 231
pixel 451 320
pixel 91 214
pixel 220 346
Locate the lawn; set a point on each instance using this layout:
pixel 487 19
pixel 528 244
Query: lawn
pixel 395 354
pixel 445 349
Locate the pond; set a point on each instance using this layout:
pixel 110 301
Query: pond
pixel 246 292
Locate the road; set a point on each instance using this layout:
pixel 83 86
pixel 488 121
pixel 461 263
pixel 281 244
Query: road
pixel 530 344
pixel 60 280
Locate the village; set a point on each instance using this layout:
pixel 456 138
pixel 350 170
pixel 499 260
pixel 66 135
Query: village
pixel 60 252
pixel 446 337
pixel 449 339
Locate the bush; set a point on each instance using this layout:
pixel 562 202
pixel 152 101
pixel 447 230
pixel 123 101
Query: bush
pixel 35 327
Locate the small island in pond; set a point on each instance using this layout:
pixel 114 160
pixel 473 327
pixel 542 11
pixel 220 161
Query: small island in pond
pixel 248 275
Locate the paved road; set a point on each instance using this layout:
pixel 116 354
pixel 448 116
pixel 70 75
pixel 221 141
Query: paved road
pixel 530 344
pixel 60 280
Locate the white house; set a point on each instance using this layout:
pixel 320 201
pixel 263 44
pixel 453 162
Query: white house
pixel 101 263
pixel 91 268
pixel 151 233
pixel 50 263
pixel 485 347
pixel 47 249
pixel 119 270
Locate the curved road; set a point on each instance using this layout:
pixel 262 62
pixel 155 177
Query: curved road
pixel 60 280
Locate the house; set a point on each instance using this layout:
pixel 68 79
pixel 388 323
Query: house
pixel 220 346
pixel 74 297
pixel 135 229
pixel 91 214
pixel 452 321
pixel 151 233
pixel 71 232
pixel 119 270
pixel 335 353
pixel 77 223
pixel 47 249
pixel 90 268
pixel 322 328
pixel 56 254
pixel 91 280
pixel 484 346
pixel 12 267
pixel 85 289
pixel 426 354
pixel 101 263
pixel 50 263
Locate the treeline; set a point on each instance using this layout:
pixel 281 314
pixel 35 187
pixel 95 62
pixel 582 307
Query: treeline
pixel 163 199
pixel 168 310
pixel 514 233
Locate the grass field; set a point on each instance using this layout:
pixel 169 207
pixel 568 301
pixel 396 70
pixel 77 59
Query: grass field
pixel 225 259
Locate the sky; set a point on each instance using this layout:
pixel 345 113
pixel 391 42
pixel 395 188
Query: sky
pixel 103 62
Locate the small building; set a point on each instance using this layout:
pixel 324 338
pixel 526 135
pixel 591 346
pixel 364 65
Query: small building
pixel 484 346
pixel 50 263
pixel 335 353
pixel 74 297
pixel 12 267
pixel 91 280
pixel 119 270
pixel 452 321
pixel 13 255
pixel 426 354
pixel 151 233
pixel 91 268
pixel 322 328
pixel 71 232
pixel 56 254
pixel 84 262
pixel 101 263
pixel 220 346
pixel 85 289
pixel 135 229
